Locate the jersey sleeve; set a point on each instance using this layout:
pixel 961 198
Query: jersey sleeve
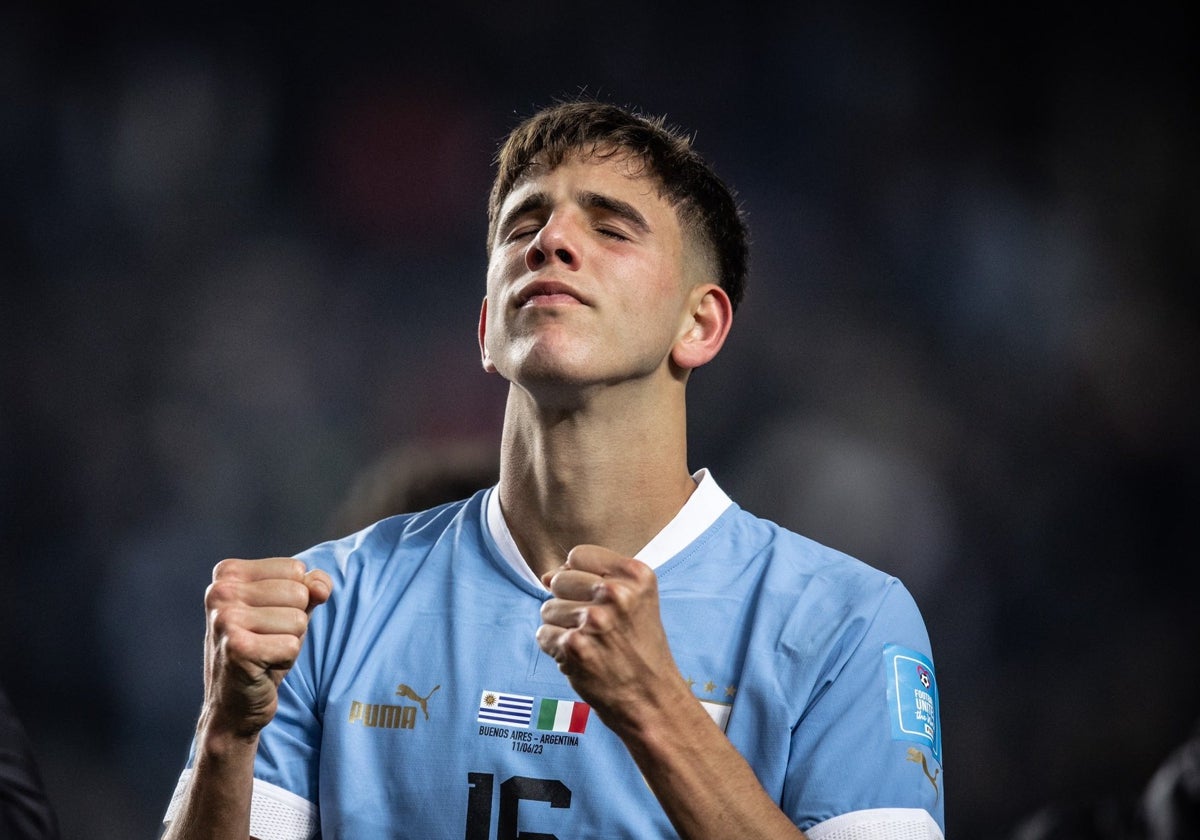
pixel 866 757
pixel 287 767
pixel 284 802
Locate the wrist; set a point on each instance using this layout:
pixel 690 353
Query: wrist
pixel 665 716
pixel 222 740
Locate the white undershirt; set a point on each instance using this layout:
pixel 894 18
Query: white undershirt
pixel 706 504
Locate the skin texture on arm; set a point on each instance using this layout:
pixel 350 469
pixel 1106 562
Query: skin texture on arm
pixel 604 629
pixel 258 614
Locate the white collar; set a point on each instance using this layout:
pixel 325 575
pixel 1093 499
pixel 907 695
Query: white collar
pixel 703 507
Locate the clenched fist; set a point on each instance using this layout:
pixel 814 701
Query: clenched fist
pixel 604 629
pixel 258 614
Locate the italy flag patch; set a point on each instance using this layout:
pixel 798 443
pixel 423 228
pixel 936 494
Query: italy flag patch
pixel 562 715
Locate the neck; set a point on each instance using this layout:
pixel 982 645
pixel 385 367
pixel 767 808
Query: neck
pixel 609 471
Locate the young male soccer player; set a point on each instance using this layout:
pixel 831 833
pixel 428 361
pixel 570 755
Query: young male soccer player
pixel 602 645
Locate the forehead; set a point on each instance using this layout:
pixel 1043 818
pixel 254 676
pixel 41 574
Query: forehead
pixel 615 172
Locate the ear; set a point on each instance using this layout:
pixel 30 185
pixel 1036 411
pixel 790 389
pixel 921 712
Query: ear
pixel 486 357
pixel 710 315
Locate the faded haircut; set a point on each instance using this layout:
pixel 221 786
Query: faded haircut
pixel 704 204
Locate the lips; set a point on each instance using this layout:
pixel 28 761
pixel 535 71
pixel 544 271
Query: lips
pixel 548 293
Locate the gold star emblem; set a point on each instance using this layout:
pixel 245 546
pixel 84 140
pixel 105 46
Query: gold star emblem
pixel 691 682
pixel 730 690
pixel 709 686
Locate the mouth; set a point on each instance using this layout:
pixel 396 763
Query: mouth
pixel 548 293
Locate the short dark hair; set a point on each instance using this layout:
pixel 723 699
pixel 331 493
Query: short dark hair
pixel 705 205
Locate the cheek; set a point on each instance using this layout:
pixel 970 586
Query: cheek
pixel 661 286
pixel 493 289
pixel 494 326
pixel 492 279
pixel 504 261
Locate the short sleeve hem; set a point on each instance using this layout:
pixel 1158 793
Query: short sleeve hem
pixel 878 824
pixel 275 813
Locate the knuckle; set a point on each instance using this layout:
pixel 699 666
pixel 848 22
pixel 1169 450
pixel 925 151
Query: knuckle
pixel 640 572
pixel 546 640
pixel 237 645
pixel 289 648
pixel 619 595
pixel 577 650
pixel 227 568
pixel 569 645
pixel 220 592
pixel 225 621
pixel 292 593
pixel 599 620
pixel 301 625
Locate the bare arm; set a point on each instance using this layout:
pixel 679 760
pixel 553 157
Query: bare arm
pixel 604 629
pixel 257 616
pixel 217 804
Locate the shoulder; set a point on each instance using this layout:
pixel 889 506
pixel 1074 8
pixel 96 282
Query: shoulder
pixel 824 598
pixel 794 561
pixel 398 540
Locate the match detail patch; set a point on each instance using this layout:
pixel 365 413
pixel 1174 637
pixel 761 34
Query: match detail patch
pixel 913 698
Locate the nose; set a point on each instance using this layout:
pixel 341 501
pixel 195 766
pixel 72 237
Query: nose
pixel 552 242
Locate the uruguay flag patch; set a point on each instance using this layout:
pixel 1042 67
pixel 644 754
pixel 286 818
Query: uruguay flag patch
pixel 505 709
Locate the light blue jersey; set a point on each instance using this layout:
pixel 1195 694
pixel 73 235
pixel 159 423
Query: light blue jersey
pixel 422 707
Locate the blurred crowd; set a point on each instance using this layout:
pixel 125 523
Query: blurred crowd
pixel 241 266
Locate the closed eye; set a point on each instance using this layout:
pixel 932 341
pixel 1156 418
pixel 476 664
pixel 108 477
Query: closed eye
pixel 522 232
pixel 612 233
pixel 525 218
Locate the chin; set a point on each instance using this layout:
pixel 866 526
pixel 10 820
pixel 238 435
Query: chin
pixel 554 375
pixel 560 362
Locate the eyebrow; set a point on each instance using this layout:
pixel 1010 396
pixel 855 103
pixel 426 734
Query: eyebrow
pixel 588 200
pixel 621 209
pixel 531 202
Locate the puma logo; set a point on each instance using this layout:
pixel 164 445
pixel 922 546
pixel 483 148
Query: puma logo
pixel 918 757
pixel 405 691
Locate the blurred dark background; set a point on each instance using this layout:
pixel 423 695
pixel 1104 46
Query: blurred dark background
pixel 241 260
